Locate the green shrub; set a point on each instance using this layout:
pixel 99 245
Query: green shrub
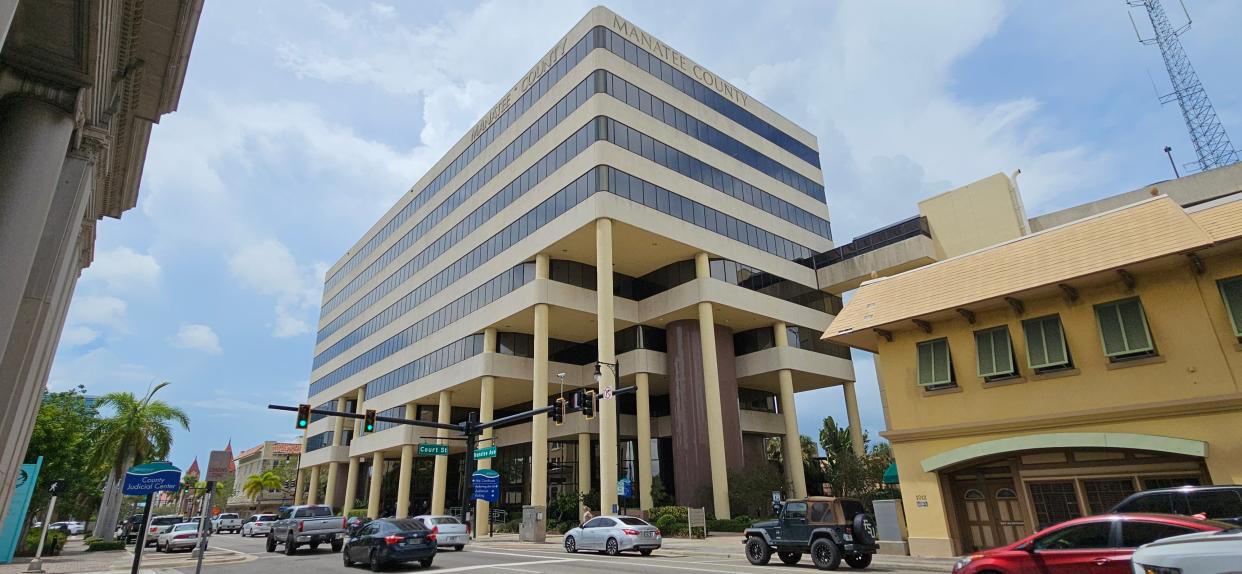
pixel 510 527
pixel 736 524
pixel 89 539
pixel 677 512
pixel 670 526
pixel 99 545
pixel 357 513
pixel 51 546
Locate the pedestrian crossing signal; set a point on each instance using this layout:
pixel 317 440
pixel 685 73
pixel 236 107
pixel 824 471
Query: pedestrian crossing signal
pixel 368 421
pixel 303 416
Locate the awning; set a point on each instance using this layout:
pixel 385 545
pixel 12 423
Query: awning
pixel 890 474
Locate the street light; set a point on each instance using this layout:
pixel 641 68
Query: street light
pixel 614 367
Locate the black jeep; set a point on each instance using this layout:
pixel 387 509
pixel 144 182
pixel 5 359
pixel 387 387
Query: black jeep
pixel 828 528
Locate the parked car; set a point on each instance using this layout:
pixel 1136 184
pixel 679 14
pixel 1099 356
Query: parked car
pixel 1198 552
pixel 258 525
pixel 614 535
pixel 829 528
pixel 306 524
pixel 180 536
pixel 160 525
pixel 226 521
pixel 75 527
pixel 1099 544
pixel 450 532
pixel 128 530
pixel 390 541
pixel 1223 503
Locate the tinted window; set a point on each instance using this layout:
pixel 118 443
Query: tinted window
pixel 821 512
pixel 165 520
pixel 1135 533
pixel 180 527
pixel 1161 502
pixel 407 525
pixel 368 530
pixel 265 518
pixel 1215 503
pixel 631 521
pixel 1093 535
pixel 795 510
pixel 444 520
pixel 228 515
pixel 851 508
pixel 598 523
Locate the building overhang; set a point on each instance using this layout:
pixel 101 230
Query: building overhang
pixel 1113 440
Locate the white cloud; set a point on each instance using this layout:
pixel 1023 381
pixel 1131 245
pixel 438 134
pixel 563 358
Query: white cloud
pixel 122 270
pixel 197 337
pixel 78 335
pixel 101 370
pixel 270 269
pixel 99 310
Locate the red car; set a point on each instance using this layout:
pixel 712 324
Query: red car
pixel 1092 545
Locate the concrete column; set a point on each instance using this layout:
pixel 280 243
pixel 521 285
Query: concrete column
pixel 607 354
pixel 584 468
pixel 338 424
pixel 351 486
pixel 644 440
pixel 851 413
pixel 439 480
pixel 300 487
pixel 377 477
pixel 795 472
pixel 711 390
pixel 312 496
pixel 334 468
pixel 7 9
pixel 539 396
pixel 407 469
pixel 487 402
pixel 34 138
pixel 329 496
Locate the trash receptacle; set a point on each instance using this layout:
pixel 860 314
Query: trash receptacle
pixel 534 524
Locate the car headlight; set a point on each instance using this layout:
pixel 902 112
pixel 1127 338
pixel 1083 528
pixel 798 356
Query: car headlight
pixel 1144 569
pixel 965 560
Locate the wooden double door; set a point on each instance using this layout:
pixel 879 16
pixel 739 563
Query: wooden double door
pixel 988 511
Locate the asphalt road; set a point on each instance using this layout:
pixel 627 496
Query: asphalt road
pixel 497 560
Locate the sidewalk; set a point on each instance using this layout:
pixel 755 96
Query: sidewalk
pixel 75 559
pixel 717 546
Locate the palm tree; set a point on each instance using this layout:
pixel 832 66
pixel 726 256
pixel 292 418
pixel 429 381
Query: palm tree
pixel 138 430
pixel 259 483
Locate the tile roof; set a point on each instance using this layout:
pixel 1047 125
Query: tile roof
pixel 1138 232
pixel 277 448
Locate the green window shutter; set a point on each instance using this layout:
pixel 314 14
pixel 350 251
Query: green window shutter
pixel 935 367
pixel 994 353
pixel 1231 292
pixel 1123 328
pixel 1045 343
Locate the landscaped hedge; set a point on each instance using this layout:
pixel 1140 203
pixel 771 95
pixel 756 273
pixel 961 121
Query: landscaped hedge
pixel 357 513
pixel 98 545
pixel 735 524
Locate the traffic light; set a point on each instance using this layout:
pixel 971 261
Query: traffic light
pixel 558 412
pixel 368 422
pixel 303 416
pixel 588 404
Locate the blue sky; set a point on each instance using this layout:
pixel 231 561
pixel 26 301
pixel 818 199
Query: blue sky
pixel 302 122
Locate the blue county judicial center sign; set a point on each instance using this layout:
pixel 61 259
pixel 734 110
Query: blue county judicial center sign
pixel 151 477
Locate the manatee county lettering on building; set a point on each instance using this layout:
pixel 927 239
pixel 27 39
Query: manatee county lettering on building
pixel 678 60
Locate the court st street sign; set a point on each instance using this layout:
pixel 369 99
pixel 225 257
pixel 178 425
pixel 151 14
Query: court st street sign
pixel 151 477
pixel 428 449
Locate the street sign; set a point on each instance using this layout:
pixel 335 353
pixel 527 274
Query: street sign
pixel 485 452
pixel 428 449
pixel 218 466
pixel 486 485
pixel 625 487
pixel 607 393
pixel 151 477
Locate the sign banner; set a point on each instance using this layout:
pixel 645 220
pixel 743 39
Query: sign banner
pixel 486 485
pixel 625 487
pixel 428 449
pixel 485 452
pixel 27 476
pixel 151 477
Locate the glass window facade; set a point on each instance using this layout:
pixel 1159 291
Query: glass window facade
pixel 396 412
pixel 805 338
pixel 769 284
pixel 318 441
pixel 441 358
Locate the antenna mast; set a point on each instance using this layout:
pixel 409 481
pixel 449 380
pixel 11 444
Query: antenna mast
pixel 1211 143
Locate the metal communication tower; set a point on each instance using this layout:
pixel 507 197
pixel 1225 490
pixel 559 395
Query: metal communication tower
pixel 1212 144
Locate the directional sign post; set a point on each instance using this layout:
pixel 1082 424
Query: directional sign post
pixel 149 479
pixel 428 449
pixel 486 485
pixel 485 452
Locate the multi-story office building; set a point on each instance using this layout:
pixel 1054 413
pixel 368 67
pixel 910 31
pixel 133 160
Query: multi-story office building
pixel 1091 353
pixel 621 209
pixel 254 461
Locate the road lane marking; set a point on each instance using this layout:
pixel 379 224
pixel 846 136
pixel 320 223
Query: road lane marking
pixel 517 570
pixel 661 562
pixel 503 566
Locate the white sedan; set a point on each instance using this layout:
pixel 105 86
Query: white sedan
pixel 450 532
pixel 1198 552
pixel 614 534
pixel 180 536
pixel 258 525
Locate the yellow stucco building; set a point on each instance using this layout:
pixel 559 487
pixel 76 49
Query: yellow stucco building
pixel 1050 375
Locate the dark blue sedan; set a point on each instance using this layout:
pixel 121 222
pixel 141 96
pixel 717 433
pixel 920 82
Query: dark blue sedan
pixel 390 541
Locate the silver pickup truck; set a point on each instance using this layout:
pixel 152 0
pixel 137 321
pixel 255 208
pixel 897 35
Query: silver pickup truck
pixel 309 525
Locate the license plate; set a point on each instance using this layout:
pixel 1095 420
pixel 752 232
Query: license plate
pixel 648 535
pixel 849 537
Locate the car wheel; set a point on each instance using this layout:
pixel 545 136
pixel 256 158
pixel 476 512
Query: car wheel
pixel 646 552
pixel 790 558
pixel 271 543
pixel 612 548
pixel 314 546
pixel 346 560
pixel 336 545
pixel 290 547
pixel 426 562
pixel 571 545
pixel 757 551
pixel 376 565
pixel 858 560
pixel 459 547
pixel 826 554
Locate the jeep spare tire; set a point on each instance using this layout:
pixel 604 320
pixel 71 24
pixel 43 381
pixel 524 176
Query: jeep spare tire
pixel 864 529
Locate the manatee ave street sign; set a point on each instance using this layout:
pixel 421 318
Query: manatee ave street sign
pixel 151 477
pixel 485 452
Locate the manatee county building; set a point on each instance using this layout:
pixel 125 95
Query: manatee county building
pixel 621 209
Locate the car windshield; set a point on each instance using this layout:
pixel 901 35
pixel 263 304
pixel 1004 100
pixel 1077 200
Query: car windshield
pixel 185 526
pixel 631 521
pixel 444 520
pixel 404 525
pixel 227 516
pixel 165 520
pixel 265 518
pixel 313 512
